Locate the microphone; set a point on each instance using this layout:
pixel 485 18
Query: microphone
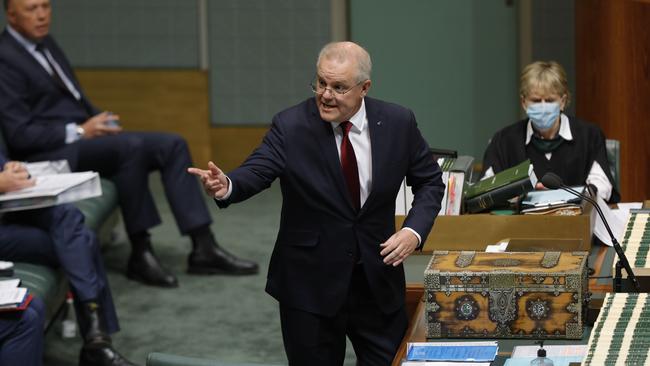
pixel 552 181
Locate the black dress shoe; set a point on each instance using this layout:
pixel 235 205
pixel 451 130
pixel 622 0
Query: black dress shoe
pixel 97 349
pixel 216 260
pixel 144 267
pixel 102 355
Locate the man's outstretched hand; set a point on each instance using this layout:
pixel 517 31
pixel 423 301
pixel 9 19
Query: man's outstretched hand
pixel 214 181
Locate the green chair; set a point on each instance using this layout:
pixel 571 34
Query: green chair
pixel 163 359
pixel 613 148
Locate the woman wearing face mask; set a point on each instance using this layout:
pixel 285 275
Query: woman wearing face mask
pixel 554 142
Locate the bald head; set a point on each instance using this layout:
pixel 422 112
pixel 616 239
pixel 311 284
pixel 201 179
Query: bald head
pixel 348 51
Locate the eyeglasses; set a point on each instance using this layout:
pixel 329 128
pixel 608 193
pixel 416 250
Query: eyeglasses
pixel 319 88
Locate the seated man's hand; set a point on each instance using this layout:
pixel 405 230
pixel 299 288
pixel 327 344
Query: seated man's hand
pixel 14 177
pixel 214 181
pixel 100 125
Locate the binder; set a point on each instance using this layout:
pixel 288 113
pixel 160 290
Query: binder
pixel 51 190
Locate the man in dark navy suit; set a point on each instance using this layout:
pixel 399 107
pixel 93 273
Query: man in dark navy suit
pixel 56 236
pixel 45 116
pixel 336 268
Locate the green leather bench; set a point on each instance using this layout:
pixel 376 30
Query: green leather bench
pixel 163 359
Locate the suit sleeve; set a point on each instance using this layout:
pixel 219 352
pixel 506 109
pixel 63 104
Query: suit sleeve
pixel 261 168
pixel 19 123
pixel 425 178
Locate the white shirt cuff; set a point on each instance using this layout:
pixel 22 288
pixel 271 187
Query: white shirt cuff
pixel 598 178
pixel 227 195
pixel 71 133
pixel 416 234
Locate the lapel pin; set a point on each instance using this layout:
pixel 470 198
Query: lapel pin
pixel 379 123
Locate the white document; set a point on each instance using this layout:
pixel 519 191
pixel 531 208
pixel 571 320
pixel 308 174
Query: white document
pixel 499 247
pixel 10 293
pixel 551 350
pixel 51 190
pixel 9 284
pixel 47 167
pixel 623 212
pixel 615 223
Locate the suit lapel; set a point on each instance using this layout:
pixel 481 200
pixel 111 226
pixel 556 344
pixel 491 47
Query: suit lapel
pixel 26 55
pixel 35 64
pixel 325 137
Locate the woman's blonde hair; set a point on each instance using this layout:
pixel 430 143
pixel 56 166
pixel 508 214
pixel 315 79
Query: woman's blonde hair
pixel 549 76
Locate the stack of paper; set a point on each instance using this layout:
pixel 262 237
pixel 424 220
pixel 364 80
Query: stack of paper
pixel 552 201
pixel 451 353
pixel 13 297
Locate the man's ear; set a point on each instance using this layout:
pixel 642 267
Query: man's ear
pixel 365 87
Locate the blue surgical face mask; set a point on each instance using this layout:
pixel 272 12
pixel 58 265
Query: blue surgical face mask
pixel 543 114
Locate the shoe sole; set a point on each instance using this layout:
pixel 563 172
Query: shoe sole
pixel 141 279
pixel 215 271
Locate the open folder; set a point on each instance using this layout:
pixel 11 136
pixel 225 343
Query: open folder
pixel 51 190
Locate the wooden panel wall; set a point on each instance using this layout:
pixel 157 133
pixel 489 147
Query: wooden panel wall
pixel 231 145
pixel 155 100
pixel 613 82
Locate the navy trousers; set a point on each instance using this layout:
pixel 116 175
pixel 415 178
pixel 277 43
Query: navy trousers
pixel 56 236
pixel 21 335
pixel 316 340
pixel 127 159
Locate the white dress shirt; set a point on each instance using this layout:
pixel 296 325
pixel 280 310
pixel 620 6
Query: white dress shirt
pixel 359 136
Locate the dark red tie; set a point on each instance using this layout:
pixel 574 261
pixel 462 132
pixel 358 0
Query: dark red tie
pixel 349 165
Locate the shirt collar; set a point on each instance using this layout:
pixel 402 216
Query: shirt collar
pixel 565 129
pixel 28 44
pixel 358 120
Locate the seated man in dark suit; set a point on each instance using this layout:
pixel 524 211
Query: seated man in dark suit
pixel 56 236
pixel 45 115
pixel 21 335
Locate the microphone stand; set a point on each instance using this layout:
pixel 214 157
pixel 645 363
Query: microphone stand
pixel 622 259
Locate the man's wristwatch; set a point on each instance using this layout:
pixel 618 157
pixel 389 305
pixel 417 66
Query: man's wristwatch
pixel 80 131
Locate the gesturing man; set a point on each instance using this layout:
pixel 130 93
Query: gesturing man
pixel 336 268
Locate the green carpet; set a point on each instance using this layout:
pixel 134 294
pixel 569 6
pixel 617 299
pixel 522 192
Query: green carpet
pixel 219 317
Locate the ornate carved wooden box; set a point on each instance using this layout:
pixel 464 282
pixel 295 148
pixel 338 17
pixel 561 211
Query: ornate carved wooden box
pixel 540 295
